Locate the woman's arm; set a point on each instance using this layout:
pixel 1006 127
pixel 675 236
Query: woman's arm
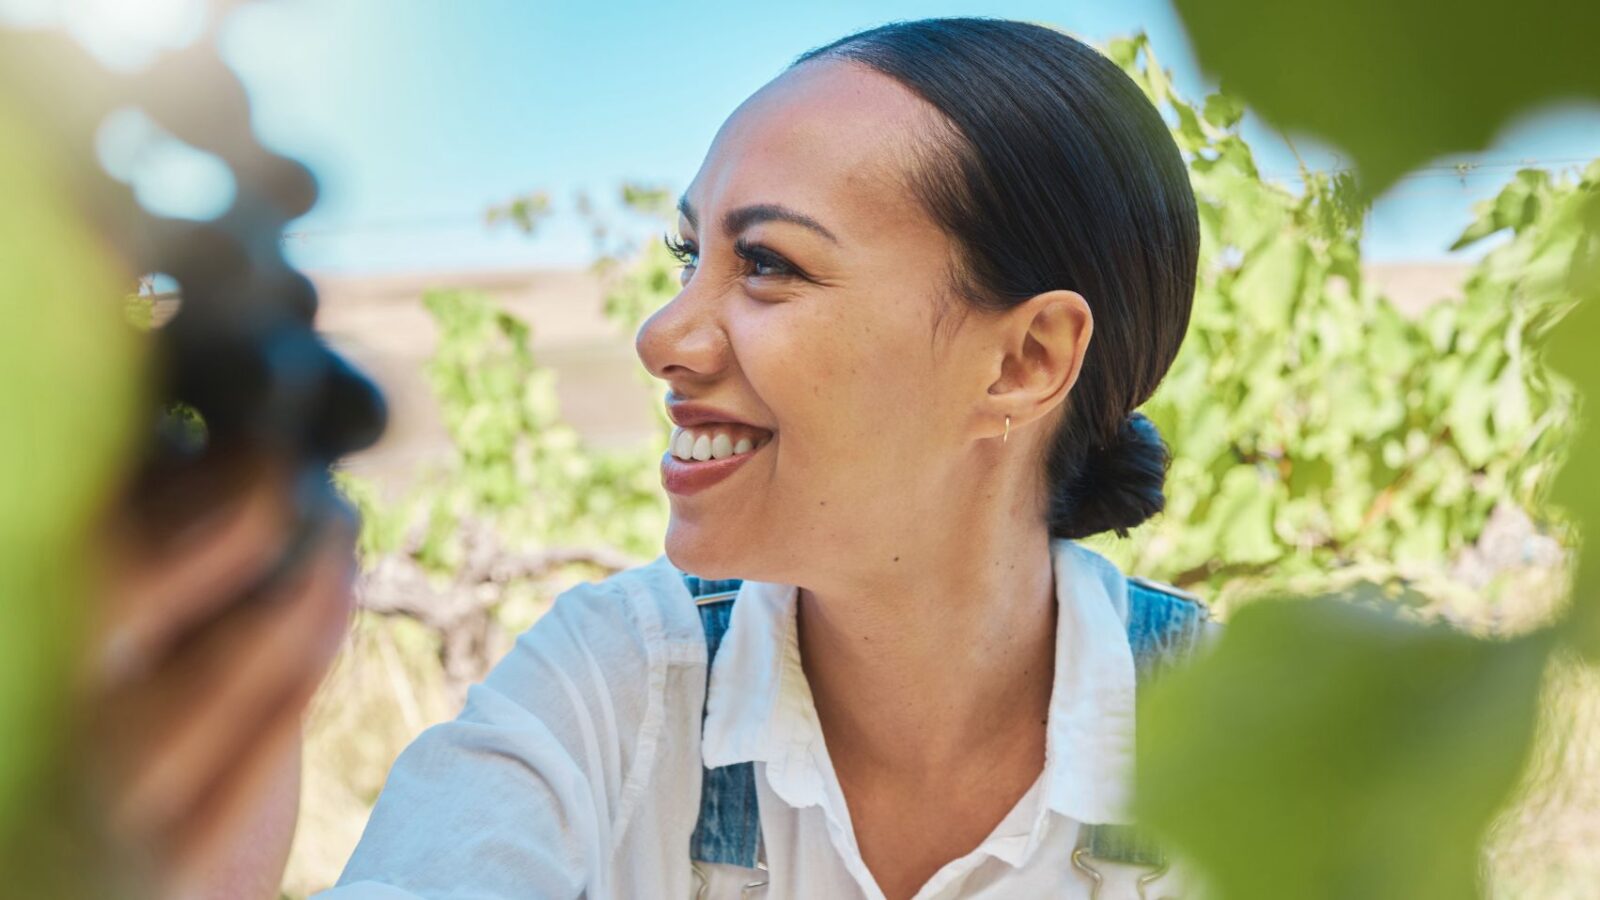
pixel 487 805
pixel 523 789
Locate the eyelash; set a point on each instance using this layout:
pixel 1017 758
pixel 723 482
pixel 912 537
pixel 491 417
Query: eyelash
pixel 755 254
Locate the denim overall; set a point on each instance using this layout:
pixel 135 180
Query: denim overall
pixel 1164 625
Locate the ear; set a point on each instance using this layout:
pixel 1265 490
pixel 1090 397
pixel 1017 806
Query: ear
pixel 1042 342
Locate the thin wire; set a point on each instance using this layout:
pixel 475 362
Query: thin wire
pixel 1449 170
pixel 385 225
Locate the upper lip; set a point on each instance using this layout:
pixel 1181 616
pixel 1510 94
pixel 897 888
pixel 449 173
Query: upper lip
pixel 688 415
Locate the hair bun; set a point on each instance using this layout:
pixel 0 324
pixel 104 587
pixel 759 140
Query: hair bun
pixel 1118 485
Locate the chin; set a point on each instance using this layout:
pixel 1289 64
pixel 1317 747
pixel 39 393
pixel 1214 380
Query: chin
pixel 706 550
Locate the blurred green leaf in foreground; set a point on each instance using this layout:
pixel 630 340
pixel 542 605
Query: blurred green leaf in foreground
pixel 69 386
pixel 1329 749
pixel 1396 84
pixel 1334 748
pixel 1573 352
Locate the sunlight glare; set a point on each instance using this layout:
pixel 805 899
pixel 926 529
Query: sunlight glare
pixel 168 176
pixel 123 34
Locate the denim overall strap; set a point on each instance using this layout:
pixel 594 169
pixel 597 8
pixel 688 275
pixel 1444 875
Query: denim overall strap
pixel 729 827
pixel 1164 627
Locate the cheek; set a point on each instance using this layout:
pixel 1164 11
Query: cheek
pixel 838 381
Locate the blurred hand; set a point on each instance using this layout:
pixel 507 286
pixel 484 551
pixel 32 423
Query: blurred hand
pixel 194 698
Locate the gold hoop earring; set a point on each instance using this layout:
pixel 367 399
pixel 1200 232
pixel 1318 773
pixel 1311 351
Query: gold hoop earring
pixel 1007 435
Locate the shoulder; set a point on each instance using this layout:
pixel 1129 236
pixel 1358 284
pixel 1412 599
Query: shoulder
pixel 1157 600
pixel 605 648
pixel 1137 590
pixel 643 615
pixel 538 778
pixel 652 598
pixel 1164 622
pixel 607 669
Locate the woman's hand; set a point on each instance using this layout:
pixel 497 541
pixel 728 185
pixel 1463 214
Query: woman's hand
pixel 194 698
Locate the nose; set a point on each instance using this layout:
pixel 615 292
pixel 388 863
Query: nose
pixel 684 341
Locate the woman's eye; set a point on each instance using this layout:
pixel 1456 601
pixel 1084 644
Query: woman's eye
pixel 763 262
pixel 684 251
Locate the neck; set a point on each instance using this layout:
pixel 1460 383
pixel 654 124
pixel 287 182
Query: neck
pixel 942 655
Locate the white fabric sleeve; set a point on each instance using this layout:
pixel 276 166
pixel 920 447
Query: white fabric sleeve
pixel 518 795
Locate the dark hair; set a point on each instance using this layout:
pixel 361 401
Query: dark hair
pixel 1057 172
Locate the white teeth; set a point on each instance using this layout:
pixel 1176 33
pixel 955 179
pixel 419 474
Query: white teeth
pixel 682 444
pixel 688 445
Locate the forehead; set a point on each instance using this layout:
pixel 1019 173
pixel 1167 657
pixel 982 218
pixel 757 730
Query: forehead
pixel 831 138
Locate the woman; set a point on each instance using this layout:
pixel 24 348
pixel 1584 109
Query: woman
pixel 928 274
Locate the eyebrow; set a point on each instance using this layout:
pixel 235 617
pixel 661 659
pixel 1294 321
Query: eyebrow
pixel 739 219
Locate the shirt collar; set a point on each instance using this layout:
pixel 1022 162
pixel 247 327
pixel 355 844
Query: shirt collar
pixel 759 706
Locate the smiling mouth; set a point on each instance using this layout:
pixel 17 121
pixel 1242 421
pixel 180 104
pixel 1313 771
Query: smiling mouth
pixel 718 441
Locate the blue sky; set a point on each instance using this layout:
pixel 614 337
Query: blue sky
pixel 419 114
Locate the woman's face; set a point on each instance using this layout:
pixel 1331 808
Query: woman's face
pixel 804 336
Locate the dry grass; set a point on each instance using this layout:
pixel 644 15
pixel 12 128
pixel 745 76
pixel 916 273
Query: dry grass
pixel 385 689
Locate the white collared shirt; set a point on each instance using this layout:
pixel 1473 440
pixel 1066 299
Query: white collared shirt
pixel 574 770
